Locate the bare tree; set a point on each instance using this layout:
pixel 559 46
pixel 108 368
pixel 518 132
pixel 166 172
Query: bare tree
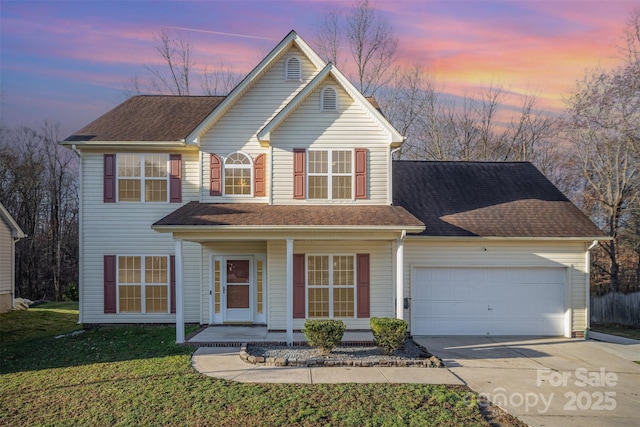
pixel 373 47
pixel 219 80
pixel 371 40
pixel 329 35
pixel 606 151
pixel 38 188
pixel 175 50
pixel 179 69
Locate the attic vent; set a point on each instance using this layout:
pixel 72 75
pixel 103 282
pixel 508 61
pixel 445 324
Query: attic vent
pixel 329 99
pixel 293 69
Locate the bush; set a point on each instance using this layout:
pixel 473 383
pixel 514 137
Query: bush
pixel 389 333
pixel 324 334
pixel 71 293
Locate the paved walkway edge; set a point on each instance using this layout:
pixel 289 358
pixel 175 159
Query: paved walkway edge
pixel 225 363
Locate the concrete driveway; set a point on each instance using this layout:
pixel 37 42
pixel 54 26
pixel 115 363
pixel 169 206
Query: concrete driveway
pixel 549 381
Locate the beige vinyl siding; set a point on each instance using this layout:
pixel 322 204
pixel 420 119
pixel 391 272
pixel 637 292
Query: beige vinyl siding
pixel 350 127
pixel 125 229
pixel 237 129
pixel 223 249
pixel 382 297
pixel 6 267
pixel 463 253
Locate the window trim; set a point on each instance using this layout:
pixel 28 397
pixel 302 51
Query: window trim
pixel 143 285
pixel 250 166
pixel 330 174
pixel 331 286
pixel 322 106
pixel 286 69
pixel 142 178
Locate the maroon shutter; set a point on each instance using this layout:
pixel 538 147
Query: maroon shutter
pixel 298 286
pixel 172 282
pixel 175 178
pixel 109 178
pixel 361 173
pixel 259 189
pixel 109 283
pixel 215 177
pixel 299 173
pixel 362 262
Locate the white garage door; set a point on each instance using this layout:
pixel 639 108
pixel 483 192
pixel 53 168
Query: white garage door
pixel 494 301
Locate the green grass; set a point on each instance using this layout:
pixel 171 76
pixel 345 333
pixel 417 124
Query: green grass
pixel 138 376
pixel 619 330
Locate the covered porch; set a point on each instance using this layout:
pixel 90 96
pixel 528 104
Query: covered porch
pixel 234 336
pixel 326 235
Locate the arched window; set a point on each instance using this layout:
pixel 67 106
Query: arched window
pixel 293 68
pixel 237 174
pixel 329 99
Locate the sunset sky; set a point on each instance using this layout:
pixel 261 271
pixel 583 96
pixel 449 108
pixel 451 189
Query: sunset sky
pixel 70 61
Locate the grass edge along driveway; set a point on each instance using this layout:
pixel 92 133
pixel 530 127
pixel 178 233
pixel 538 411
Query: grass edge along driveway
pixel 126 375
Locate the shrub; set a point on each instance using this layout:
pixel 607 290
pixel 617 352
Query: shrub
pixel 71 293
pixel 388 333
pixel 324 334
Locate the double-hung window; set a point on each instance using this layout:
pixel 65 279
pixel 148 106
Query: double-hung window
pixel 330 174
pixel 143 284
pixel 331 286
pixel 143 177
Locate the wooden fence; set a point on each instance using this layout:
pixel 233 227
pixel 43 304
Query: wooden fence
pixel 616 308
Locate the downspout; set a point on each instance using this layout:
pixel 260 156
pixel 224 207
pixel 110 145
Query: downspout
pixel 390 177
pixel 80 239
pixel 587 267
pixel 400 276
pixel 270 175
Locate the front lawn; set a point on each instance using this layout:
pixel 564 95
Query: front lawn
pixel 138 376
pixel 615 329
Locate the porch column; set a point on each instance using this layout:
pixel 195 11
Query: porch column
pixel 400 276
pixel 289 302
pixel 179 305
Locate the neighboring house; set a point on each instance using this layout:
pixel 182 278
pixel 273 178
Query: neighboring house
pixel 10 233
pixel 280 202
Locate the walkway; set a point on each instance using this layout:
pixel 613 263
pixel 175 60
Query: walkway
pixel 224 362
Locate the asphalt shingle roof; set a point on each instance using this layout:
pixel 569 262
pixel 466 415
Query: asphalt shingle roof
pixel 149 118
pixel 486 199
pixel 256 214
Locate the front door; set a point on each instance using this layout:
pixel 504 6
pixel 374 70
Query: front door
pixel 238 289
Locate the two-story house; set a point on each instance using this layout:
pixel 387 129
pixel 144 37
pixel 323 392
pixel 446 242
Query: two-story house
pixel 281 202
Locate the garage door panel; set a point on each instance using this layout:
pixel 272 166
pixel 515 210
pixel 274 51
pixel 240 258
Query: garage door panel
pixel 479 301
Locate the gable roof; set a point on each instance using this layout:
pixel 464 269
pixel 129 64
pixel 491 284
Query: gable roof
pixel 262 216
pixel 487 200
pixel 290 39
pixel 149 118
pixel 330 70
pixel 16 231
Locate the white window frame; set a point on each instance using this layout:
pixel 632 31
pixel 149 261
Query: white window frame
pixel 143 285
pixel 286 69
pixel 142 178
pixel 322 94
pixel 329 174
pixel 250 166
pixel 331 285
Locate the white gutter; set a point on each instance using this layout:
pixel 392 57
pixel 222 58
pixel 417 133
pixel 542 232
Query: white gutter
pixel 520 238
pixel 318 228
